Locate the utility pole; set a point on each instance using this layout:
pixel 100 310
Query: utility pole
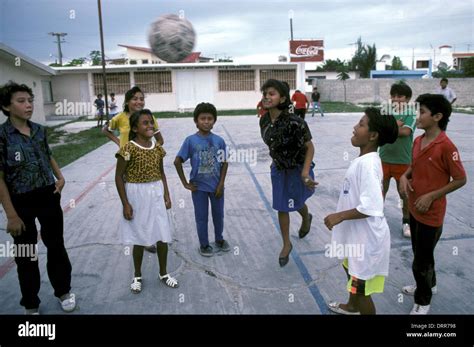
pixel 104 75
pixel 58 41
pixel 291 13
pixel 413 59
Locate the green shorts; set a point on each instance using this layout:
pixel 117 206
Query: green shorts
pixel 363 287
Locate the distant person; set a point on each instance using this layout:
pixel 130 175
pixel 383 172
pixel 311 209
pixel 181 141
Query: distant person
pixel 300 102
pixel 315 96
pixel 134 101
pixel 207 152
pixel 447 92
pixel 113 108
pixel 260 110
pixel 30 192
pixel 436 171
pixel 143 190
pixel 291 149
pixel 359 218
pixel 396 157
pixel 99 105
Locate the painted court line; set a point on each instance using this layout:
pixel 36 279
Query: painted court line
pixel 314 290
pixel 10 263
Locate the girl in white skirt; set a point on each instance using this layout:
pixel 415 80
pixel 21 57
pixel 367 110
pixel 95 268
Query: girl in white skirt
pixel 143 190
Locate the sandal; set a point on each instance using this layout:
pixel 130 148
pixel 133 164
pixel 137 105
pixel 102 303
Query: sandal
pixel 302 233
pixel 169 281
pixel 136 285
pixel 334 307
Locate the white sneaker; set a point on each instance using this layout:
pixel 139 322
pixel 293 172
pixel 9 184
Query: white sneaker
pixel 420 309
pixel 406 230
pixel 410 290
pixel 69 302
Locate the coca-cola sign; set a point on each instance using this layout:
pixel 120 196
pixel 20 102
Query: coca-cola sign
pixel 306 50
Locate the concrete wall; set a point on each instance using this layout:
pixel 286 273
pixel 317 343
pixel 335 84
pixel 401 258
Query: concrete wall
pixel 22 75
pixel 378 90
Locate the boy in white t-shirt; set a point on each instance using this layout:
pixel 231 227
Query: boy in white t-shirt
pixel 360 233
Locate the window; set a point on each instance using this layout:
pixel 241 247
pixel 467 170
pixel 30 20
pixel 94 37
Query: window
pixel 154 82
pixel 144 61
pixel 133 62
pixel 117 83
pixel 47 91
pixel 288 76
pixel 422 64
pixel 236 80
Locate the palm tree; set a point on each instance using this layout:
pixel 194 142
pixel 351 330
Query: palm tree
pixel 364 58
pixel 343 76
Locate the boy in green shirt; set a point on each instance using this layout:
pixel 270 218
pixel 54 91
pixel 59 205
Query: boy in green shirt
pixel 396 157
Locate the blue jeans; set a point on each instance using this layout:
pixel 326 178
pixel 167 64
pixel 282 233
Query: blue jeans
pixel 201 212
pixel 318 105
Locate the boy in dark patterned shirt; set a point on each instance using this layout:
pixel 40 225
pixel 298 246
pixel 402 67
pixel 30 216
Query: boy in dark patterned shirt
pixel 28 191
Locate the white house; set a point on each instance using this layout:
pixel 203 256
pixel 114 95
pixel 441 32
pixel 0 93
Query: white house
pixel 173 87
pixel 22 69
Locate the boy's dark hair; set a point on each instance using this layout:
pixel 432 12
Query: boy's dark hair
pixel 7 91
pixel 134 118
pixel 437 103
pixel 99 95
pixel 444 79
pixel 129 95
pixel 402 89
pixel 205 107
pixel 282 89
pixel 112 94
pixel 385 125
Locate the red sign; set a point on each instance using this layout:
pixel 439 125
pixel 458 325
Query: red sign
pixel 306 50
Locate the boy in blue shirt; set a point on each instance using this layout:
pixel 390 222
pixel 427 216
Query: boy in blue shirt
pixel 207 152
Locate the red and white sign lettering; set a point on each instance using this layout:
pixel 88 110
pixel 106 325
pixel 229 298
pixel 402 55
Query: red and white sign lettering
pixel 306 50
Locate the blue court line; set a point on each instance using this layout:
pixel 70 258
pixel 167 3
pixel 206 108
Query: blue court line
pixel 314 290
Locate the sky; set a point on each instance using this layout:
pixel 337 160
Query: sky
pixel 249 31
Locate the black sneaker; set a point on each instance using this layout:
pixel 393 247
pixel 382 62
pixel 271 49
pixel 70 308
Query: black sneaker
pixel 206 251
pixel 223 246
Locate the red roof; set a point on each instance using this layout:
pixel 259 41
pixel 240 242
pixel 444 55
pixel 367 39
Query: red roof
pixel 192 58
pixel 445 46
pixel 143 49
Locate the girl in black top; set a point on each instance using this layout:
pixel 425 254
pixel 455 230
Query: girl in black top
pixel 289 140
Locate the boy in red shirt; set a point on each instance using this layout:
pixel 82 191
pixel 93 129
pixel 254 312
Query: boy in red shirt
pixel 426 183
pixel 301 103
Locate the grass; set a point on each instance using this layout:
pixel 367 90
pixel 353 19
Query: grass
pixel 331 107
pixel 464 110
pixel 77 145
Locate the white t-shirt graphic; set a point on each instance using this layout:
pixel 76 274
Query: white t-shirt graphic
pixel 369 237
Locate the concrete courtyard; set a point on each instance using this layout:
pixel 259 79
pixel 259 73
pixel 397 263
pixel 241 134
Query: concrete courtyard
pixel 247 280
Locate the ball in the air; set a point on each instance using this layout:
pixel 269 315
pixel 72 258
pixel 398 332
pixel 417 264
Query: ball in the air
pixel 171 38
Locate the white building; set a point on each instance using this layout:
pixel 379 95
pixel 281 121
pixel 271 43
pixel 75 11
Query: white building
pixel 173 87
pixel 17 67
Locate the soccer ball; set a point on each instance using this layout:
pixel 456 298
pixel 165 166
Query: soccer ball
pixel 171 38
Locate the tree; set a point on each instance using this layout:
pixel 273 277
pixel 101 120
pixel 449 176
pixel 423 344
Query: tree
pixel 364 58
pixel 76 62
pixel 95 57
pixel 468 67
pixel 397 64
pixel 343 76
pixel 331 65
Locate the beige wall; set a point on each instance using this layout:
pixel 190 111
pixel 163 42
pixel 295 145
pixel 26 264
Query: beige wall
pixel 21 74
pixel 378 90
